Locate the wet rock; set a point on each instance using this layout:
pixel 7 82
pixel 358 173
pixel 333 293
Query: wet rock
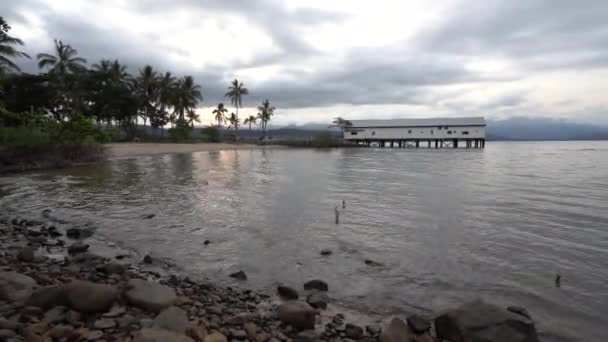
pixel 53 232
pixel 6 334
pixel 241 318
pixel 353 331
pixel 215 337
pixel 60 331
pixel 373 330
pixel 173 319
pixel 10 325
pixel 316 284
pixel 104 323
pixel 252 330
pixel 149 296
pixel 55 315
pixel 158 335
pixel 326 252
pixel 307 336
pixel 424 338
pixel 287 292
pixel 78 247
pixel 149 216
pixel 88 297
pixel 418 324
pixel 238 334
pixel 318 300
pixel 240 275
pixel 197 332
pixel 299 315
pixel 206 242
pixel 26 254
pixel 373 263
pixel 73 317
pixel 395 330
pixel 93 335
pixel 113 268
pixel 15 286
pixel 478 321
pixel 115 312
pixel 48 297
pixel 262 337
pixel 519 310
pixel 147 259
pixel 78 233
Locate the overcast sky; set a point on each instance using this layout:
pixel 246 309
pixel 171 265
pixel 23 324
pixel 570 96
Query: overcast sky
pixel 317 59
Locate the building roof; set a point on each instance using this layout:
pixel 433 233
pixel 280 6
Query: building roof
pixel 426 122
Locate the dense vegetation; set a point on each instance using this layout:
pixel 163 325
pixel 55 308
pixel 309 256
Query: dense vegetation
pixel 69 103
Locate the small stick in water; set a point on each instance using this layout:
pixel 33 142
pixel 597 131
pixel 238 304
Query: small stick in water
pixel 558 280
pixel 343 204
pixel 337 215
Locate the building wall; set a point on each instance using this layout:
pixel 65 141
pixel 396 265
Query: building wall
pixel 460 132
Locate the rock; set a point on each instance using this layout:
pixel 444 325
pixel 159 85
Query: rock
pixel 318 300
pixel 48 297
pixel 93 335
pixel 424 338
pixel 373 263
pixel 149 216
pixel 478 321
pixel 88 297
pixel 78 247
pixel 240 275
pixel 287 292
pixel 149 296
pixel 238 334
pixel 418 324
pixel 15 286
pixel 316 284
pixel 299 315
pixel 78 233
pixel 60 331
pixel 26 254
pixel 353 331
pixel 104 323
pixel 373 330
pixel 115 312
pixel 307 336
pixel 73 317
pixel 196 332
pixel 6 334
pixel 395 330
pixel 172 319
pixel 113 268
pixel 241 318
pixel 252 330
pixel 215 337
pixel 10 325
pixel 56 314
pixel 206 242
pixel 158 335
pixel 326 252
pixel 519 310
pixel 147 259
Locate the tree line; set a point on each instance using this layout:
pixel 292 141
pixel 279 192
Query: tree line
pixel 66 88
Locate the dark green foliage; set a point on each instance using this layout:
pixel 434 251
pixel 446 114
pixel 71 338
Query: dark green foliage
pixel 182 132
pixel 212 134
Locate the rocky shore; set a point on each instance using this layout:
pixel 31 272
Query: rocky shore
pixel 53 287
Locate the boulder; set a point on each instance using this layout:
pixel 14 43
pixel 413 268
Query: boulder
pixel 215 337
pixel 318 300
pixel 299 315
pixel 172 319
pixel 88 297
pixel 418 324
pixel 353 331
pixel 78 247
pixel 395 330
pixel 149 296
pixel 78 233
pixel 48 297
pixel 287 292
pixel 147 259
pixel 326 252
pixel 158 335
pixel 26 254
pixel 15 286
pixel 478 321
pixel 316 284
pixel 240 275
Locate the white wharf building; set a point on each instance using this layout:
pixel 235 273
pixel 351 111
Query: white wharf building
pixel 436 132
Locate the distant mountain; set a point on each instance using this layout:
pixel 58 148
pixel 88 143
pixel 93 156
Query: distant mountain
pixel 524 128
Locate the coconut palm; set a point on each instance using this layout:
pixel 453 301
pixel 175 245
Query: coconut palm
pixel 7 48
pixel 65 60
pixel 234 121
pixel 250 120
pixel 342 123
pixel 265 113
pixel 235 92
pixel 187 96
pixel 219 114
pixel 147 85
pixel 166 91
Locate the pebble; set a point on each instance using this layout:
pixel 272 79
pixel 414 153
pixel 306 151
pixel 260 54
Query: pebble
pixel 94 335
pixel 104 324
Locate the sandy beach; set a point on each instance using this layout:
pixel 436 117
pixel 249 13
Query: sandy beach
pixel 127 150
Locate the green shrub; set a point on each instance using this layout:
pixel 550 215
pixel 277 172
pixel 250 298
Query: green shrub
pixel 212 134
pixel 181 132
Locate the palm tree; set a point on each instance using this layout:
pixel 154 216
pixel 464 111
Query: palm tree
pixel 148 91
pixel 234 121
pixel 7 48
pixel 266 111
pixel 167 86
pixel 340 122
pixel 219 113
pixel 250 120
pixel 235 92
pixel 64 61
pixel 187 96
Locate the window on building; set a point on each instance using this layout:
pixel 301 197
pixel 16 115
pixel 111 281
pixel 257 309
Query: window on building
pixel 465 132
pixel 409 131
pixel 373 132
pixel 353 133
pixel 449 132
pixel 431 132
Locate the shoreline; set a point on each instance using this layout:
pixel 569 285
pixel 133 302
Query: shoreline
pixel 54 272
pixel 131 150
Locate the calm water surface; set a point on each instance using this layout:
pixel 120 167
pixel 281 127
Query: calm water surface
pixel 448 226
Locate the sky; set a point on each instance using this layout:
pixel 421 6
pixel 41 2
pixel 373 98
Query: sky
pixel 358 59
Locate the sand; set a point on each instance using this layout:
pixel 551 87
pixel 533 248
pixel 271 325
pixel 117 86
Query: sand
pixel 127 150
